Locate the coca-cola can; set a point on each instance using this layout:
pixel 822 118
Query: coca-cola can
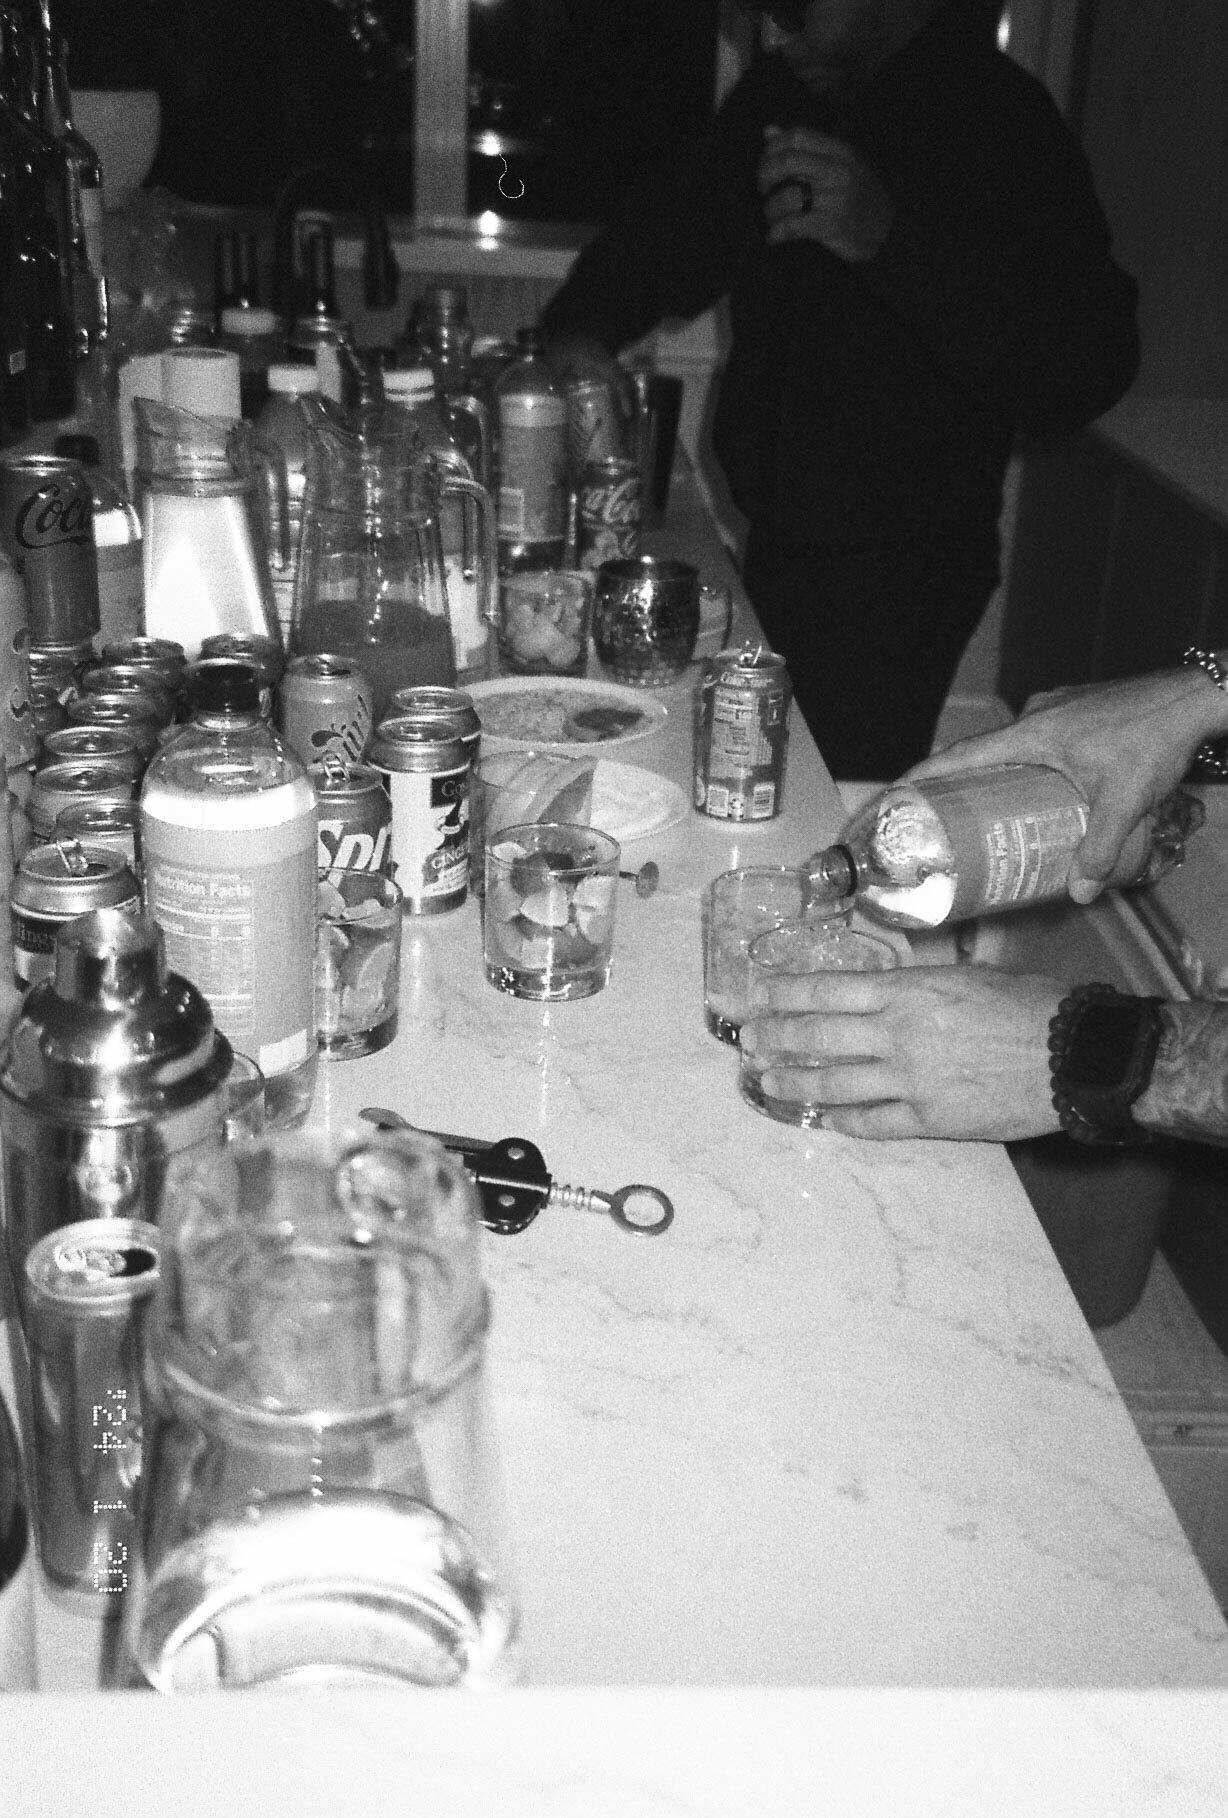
pixel 426 769
pixel 609 512
pixel 594 422
pixel 355 815
pixel 742 735
pixel 325 704
pixel 55 884
pixel 46 529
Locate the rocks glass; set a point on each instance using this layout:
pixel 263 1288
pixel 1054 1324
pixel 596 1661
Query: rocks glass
pixel 548 921
pixel 358 962
pixel 796 950
pixel 737 906
pixel 544 622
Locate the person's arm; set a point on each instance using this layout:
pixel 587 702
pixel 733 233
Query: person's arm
pixel 1187 1095
pixel 1125 745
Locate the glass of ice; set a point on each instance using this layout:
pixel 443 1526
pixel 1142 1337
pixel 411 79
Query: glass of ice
pixel 737 906
pixel 544 622
pixel 797 950
pixel 548 917
pixel 358 962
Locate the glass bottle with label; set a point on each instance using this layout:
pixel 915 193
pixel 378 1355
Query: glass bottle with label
pixel 228 829
pixel 87 250
pixel 977 842
pixel 282 423
pixel 532 413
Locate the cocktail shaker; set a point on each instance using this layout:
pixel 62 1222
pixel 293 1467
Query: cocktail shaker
pixel 112 1066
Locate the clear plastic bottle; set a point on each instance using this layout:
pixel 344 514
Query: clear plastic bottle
pixel 951 848
pixel 532 416
pixel 254 334
pixel 228 830
pixel 414 389
pixel 117 545
pixel 283 423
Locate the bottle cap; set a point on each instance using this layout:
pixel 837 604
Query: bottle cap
pixel 409 382
pixel 292 378
pixel 221 685
pixel 247 321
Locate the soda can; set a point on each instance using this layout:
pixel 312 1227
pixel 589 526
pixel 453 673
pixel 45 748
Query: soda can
pixel 426 769
pixel 355 815
pixel 87 1290
pixel 131 678
pixel 430 701
pixel 325 705
pixel 110 743
pixel 136 714
pixel 54 884
pixel 741 730
pixel 594 422
pixel 57 669
pixel 609 512
pixel 18 733
pixel 166 660
pixel 109 826
pixel 60 786
pixel 47 531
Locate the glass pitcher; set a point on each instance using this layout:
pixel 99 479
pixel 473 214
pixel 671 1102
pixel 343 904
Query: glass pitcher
pixel 319 1495
pixel 371 576
pixel 206 488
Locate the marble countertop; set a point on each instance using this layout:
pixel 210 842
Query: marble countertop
pixel 842 1427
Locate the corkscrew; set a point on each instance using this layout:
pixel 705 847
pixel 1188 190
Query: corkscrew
pixel 514 1183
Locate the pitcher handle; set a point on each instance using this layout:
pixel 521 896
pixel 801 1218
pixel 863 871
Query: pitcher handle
pixel 455 485
pixel 272 461
pixel 465 405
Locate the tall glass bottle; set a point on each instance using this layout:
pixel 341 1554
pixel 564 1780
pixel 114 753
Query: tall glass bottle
pixel 532 414
pixel 14 329
pixel 228 827
pixel 43 233
pixel 951 848
pixel 87 251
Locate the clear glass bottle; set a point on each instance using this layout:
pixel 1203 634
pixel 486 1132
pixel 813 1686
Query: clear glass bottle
pixel 43 230
pixel 532 416
pixel 446 336
pixel 282 423
pixel 117 544
pixel 950 848
pixel 254 334
pixel 318 321
pixel 88 252
pixel 228 831
pixel 14 329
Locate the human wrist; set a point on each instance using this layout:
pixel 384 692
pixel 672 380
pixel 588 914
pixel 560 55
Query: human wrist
pixel 1187 1094
pixel 1208 702
pixel 1102 1049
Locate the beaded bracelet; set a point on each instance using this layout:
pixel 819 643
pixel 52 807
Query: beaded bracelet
pixel 1210 761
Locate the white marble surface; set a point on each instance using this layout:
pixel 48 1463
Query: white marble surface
pixel 842 1427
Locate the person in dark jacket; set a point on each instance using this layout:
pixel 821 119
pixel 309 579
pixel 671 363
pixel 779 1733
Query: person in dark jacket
pixel 919 278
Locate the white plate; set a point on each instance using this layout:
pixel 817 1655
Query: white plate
pixel 623 800
pixel 558 698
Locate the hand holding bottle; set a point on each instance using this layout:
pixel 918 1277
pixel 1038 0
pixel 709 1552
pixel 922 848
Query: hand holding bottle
pixel 1124 744
pixel 936 1051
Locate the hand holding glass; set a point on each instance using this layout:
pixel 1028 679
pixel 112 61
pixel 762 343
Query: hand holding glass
pixel 797 950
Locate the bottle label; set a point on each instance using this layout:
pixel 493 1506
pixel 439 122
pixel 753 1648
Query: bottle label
pixel 533 489
pixel 121 591
pixel 16 361
pixel 1014 831
pixel 237 907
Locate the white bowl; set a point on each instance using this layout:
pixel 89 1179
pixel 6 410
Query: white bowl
pixel 123 126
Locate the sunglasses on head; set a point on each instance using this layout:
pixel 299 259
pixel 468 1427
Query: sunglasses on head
pixel 789 15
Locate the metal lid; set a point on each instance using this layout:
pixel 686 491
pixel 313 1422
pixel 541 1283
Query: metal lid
pixel 94 1266
pixel 338 776
pixel 420 745
pixel 113 1038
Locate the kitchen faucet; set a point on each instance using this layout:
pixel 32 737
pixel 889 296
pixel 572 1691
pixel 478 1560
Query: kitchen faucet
pixel 380 275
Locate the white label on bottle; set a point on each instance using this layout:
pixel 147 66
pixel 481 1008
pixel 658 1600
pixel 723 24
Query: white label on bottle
pixel 121 591
pixel 236 902
pixel 1014 851
pixel 533 491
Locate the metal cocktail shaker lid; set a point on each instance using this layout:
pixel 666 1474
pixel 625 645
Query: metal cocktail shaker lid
pixel 113 1038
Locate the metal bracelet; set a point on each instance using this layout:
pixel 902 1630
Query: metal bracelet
pixel 1210 761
